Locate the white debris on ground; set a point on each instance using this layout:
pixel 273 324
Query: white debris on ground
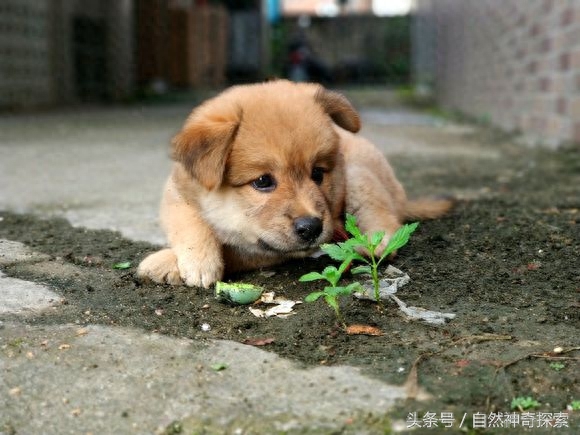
pixel 392 280
pixel 280 307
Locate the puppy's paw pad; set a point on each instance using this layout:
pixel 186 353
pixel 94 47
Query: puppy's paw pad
pixel 160 267
pixel 201 274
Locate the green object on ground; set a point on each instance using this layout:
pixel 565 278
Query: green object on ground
pixel 237 293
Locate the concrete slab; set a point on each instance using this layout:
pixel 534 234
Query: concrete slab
pixel 22 297
pixel 18 296
pixel 102 169
pixel 69 380
pixel 16 252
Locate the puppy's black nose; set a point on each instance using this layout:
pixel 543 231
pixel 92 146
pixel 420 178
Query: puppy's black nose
pixel 308 228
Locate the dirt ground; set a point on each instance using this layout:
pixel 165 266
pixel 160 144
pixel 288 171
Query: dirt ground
pixel 505 262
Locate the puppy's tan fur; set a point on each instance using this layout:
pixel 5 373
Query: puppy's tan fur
pixel 215 211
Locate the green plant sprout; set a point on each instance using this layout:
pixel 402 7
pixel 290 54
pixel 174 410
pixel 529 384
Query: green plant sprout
pixel 574 405
pixel 557 366
pixel 524 403
pixel 332 292
pixel 350 249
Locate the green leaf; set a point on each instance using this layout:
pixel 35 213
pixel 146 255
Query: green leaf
pixel 400 238
pixel 123 265
pixel 331 274
pixel 349 245
pixel 312 276
pixel 351 227
pixel 344 265
pixel 313 296
pixel 353 287
pixel 524 403
pixel 332 301
pixel 333 291
pixel 359 270
pixel 218 367
pixel 348 290
pixel 377 238
pixel 335 251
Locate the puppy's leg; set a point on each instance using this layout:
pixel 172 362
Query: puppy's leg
pixel 195 256
pixel 198 252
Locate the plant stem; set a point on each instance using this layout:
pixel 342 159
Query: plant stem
pixel 375 276
pixel 340 319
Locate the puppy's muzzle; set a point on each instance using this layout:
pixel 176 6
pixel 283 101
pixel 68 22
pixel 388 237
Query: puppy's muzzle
pixel 308 228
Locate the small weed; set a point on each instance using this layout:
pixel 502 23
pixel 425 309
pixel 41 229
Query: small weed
pixel 17 343
pixel 174 428
pixel 331 293
pixel 348 251
pixel 557 366
pixel 574 405
pixel 524 403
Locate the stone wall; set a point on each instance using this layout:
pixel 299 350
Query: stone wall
pixel 63 51
pixel 25 68
pixel 513 63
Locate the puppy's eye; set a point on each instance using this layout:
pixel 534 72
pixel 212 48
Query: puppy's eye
pixel 317 175
pixel 265 183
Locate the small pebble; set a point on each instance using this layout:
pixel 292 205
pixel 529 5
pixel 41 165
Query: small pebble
pixel 205 327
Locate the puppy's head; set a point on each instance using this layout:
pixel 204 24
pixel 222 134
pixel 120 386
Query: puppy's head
pixel 268 161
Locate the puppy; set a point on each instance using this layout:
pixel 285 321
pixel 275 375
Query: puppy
pixel 265 173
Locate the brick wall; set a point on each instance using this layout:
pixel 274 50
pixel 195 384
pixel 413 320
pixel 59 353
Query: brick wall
pixel 514 63
pixel 25 67
pixel 45 61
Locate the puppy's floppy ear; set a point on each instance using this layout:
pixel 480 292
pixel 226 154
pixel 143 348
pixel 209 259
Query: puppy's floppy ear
pixel 204 143
pixel 339 109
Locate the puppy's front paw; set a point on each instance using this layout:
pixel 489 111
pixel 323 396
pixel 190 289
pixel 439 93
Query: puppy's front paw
pixel 163 267
pixel 160 267
pixel 200 271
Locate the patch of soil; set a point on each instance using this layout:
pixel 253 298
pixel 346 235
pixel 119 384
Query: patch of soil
pixel 505 262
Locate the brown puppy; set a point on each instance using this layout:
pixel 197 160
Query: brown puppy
pixel 266 172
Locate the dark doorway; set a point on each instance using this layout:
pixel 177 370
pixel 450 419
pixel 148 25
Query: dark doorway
pixel 90 60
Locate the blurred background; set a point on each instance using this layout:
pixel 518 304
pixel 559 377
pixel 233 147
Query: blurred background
pixel 511 63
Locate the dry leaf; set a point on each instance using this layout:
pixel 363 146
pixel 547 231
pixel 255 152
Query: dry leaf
pixel 281 307
pixel 258 341
pixel 363 330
